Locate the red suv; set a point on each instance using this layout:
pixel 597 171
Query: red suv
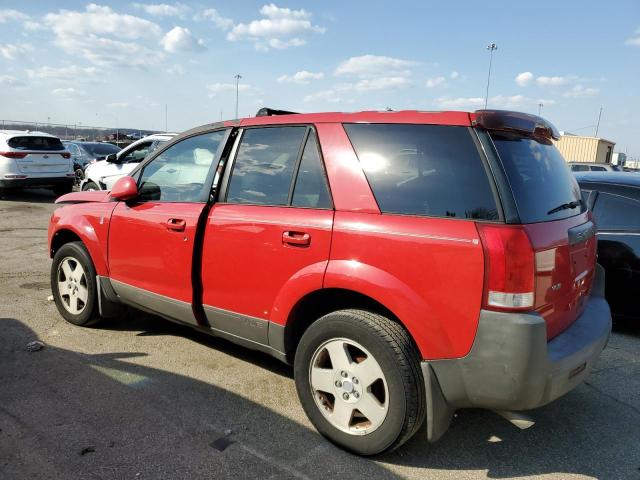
pixel 406 263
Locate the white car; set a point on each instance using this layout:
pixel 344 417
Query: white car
pixel 103 174
pixel 34 159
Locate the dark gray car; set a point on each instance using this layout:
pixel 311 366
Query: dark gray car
pixel 84 153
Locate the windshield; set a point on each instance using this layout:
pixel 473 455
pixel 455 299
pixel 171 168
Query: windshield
pixel 101 149
pixel 542 184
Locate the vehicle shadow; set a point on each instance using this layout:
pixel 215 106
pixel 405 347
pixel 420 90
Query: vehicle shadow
pixel 65 414
pixel 151 325
pixel 577 434
pixel 33 195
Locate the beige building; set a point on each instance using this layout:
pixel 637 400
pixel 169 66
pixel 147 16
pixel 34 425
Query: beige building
pixel 575 148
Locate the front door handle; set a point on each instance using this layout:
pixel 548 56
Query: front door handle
pixel 176 224
pixel 299 239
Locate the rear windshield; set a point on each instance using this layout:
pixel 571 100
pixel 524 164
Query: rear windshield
pixel 430 170
pixel 543 186
pixel 35 143
pixel 101 149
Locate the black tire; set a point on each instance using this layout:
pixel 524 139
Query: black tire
pixel 79 176
pixel 63 189
pixel 90 314
pixel 90 186
pixel 399 361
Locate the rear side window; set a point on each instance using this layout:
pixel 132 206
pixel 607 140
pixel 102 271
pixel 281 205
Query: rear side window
pixel 264 166
pixel 311 185
pixel 35 143
pixel 616 212
pixel 579 168
pixel 430 170
pixel 542 184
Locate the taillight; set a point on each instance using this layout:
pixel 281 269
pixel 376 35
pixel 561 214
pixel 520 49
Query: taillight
pixel 509 268
pixel 13 154
pixel 65 155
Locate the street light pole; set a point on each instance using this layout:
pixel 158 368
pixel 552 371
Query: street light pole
pixel 598 124
pixel 491 47
pixel 540 105
pixel 237 77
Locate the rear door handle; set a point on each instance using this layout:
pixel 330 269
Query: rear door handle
pixel 299 239
pixel 176 224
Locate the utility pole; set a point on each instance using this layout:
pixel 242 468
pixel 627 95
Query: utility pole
pixel 598 124
pixel 237 77
pixel 540 105
pixel 491 47
pixel 166 121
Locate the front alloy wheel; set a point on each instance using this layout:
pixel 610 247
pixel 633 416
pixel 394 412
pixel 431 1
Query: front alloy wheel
pixel 72 286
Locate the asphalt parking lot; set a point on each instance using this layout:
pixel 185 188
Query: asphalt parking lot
pixel 142 398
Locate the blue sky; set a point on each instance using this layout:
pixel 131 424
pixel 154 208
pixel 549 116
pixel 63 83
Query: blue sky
pixel 119 63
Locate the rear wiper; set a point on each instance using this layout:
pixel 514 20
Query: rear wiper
pixel 565 206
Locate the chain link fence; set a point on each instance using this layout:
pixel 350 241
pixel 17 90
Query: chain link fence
pixel 77 131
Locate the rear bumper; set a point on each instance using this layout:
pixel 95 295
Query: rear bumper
pixel 511 366
pixel 36 182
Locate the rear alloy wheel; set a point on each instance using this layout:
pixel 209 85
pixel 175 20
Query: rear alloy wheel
pixel 90 187
pixel 79 175
pixel 73 284
pixel 359 380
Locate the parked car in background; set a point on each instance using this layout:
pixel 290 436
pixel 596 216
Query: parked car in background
pixel 85 153
pixel 406 263
pixel 614 199
pixel 594 167
pixel 102 174
pixel 34 159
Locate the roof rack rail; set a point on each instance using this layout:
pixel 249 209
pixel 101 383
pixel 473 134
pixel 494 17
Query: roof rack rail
pixel 267 112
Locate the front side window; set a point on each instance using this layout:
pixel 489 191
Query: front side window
pixel 264 165
pixel 179 174
pixel 137 154
pixel 616 212
pixel 430 170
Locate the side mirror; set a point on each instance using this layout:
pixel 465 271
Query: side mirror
pixel 124 189
pixel 112 158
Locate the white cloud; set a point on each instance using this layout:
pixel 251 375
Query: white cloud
pixel 72 72
pixel 581 91
pixel 32 26
pixel 327 96
pixel 67 93
pixel 176 70
pixel 119 105
pixel 279 28
pixel 634 40
pixel 454 75
pixel 212 14
pixel 11 51
pixel 180 39
pixel 373 65
pixel 381 83
pixel 497 101
pixel 163 9
pixel 459 102
pixel 525 78
pixel 217 88
pixel 302 77
pixel 8 14
pixel 436 82
pixel 104 37
pixel 556 81
pixel 9 80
